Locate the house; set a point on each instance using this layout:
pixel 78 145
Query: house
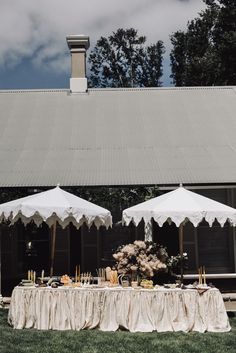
pixel 116 137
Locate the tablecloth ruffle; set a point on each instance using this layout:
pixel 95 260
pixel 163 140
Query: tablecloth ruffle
pixel 110 309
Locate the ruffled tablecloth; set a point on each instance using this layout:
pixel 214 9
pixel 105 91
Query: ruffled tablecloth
pixel 109 309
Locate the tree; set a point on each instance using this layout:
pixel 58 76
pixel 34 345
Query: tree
pixel 205 53
pixel 123 60
pixel 116 199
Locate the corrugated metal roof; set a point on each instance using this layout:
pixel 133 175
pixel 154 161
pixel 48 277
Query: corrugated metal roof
pixel 118 136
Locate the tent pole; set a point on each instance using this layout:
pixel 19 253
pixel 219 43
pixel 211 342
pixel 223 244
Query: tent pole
pixel 1 298
pixel 53 241
pixel 181 229
pixel 148 231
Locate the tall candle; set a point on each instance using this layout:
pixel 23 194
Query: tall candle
pixel 108 273
pixel 31 275
pixel 42 275
pixel 79 272
pixel 200 275
pixel 28 275
pixel 204 276
pixel 34 277
pixel 76 273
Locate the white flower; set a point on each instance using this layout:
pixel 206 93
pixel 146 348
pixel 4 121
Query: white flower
pixel 129 249
pixel 141 244
pixel 139 257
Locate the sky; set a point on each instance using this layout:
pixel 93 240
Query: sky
pixel 33 48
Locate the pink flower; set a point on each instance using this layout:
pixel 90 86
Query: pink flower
pixel 140 256
pixel 141 244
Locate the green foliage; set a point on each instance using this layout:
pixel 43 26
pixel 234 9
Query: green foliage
pixel 123 60
pixel 9 194
pixel 95 341
pixel 116 199
pixel 205 54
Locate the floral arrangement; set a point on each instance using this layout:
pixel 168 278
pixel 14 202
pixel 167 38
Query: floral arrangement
pixel 141 257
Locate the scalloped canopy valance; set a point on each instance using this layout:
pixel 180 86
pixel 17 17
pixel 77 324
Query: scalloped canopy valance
pixel 55 205
pixel 180 206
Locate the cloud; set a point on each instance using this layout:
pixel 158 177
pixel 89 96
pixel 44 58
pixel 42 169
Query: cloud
pixel 37 30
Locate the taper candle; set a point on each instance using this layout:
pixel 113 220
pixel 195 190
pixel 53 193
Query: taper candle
pixel 76 273
pixel 204 276
pixel 200 275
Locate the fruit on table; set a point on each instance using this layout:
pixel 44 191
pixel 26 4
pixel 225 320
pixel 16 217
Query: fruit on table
pixel 146 283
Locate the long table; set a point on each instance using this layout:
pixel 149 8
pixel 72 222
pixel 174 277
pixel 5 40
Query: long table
pixel 109 309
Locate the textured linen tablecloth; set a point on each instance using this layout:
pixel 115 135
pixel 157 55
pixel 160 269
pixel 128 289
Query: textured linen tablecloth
pixel 109 309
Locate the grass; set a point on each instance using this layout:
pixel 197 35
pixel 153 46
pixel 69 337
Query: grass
pixel 94 341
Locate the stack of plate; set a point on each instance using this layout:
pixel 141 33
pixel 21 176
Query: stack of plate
pixel 27 282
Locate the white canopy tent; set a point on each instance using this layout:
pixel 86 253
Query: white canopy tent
pixel 54 206
pixel 179 206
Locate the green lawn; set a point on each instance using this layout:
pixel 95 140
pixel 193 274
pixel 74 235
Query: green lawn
pixel 22 341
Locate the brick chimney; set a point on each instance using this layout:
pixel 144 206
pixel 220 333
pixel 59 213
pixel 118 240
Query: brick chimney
pixel 78 45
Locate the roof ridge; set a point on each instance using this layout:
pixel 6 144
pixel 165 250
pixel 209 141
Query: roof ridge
pixel 52 90
pixel 107 89
pixel 161 88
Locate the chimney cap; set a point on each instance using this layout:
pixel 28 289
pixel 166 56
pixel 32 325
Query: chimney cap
pixel 78 41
